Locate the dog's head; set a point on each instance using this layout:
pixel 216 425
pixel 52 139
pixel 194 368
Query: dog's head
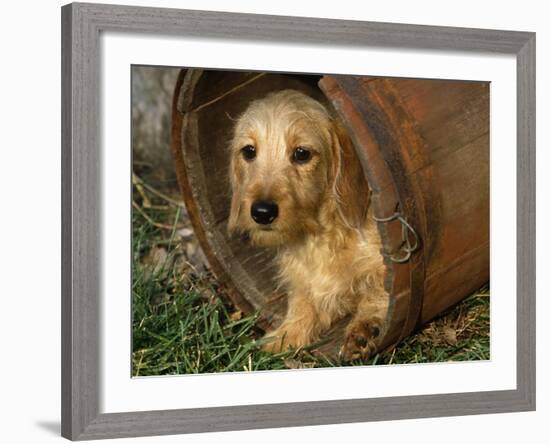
pixel 293 170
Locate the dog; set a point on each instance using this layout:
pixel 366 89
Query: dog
pixel 298 187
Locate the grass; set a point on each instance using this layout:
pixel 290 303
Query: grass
pixel 183 322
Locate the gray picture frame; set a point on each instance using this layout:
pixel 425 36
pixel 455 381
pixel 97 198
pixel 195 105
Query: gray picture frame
pixel 81 232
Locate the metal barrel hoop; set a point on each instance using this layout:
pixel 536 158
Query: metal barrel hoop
pixel 406 231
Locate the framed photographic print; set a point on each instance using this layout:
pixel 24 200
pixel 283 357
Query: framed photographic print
pixel 278 221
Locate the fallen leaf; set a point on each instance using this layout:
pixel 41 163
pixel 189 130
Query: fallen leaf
pixel 190 249
pixel 450 335
pixel 236 315
pixel 186 233
pixel 156 259
pixel 293 363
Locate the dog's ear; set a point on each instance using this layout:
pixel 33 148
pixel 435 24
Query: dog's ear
pixel 350 188
pixel 235 208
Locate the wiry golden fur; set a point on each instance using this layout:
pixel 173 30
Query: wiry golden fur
pixel 327 246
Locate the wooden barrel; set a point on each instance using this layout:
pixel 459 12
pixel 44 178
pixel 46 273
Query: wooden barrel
pixel 424 147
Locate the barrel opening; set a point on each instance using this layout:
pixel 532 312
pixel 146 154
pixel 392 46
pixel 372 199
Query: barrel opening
pixel 207 104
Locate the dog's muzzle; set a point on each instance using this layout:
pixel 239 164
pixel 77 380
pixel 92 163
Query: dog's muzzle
pixel 264 212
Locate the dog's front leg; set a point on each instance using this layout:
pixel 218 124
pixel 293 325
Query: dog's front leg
pixel 301 326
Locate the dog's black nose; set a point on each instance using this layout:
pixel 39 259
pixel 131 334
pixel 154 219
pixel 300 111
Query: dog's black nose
pixel 264 212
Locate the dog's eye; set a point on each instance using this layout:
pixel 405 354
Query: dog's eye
pixel 249 152
pixel 301 155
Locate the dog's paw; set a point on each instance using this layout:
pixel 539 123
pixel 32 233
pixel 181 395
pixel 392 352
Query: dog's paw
pixel 361 340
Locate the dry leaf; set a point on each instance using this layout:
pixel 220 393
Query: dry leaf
pixel 236 315
pixel 190 249
pixel 296 364
pixel 208 294
pixel 186 233
pixel 450 335
pixel 156 259
pixel 293 363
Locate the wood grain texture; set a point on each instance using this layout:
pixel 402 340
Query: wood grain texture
pixel 66 225
pixel 260 27
pixel 217 419
pixel 81 233
pixel 81 222
pixel 526 223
